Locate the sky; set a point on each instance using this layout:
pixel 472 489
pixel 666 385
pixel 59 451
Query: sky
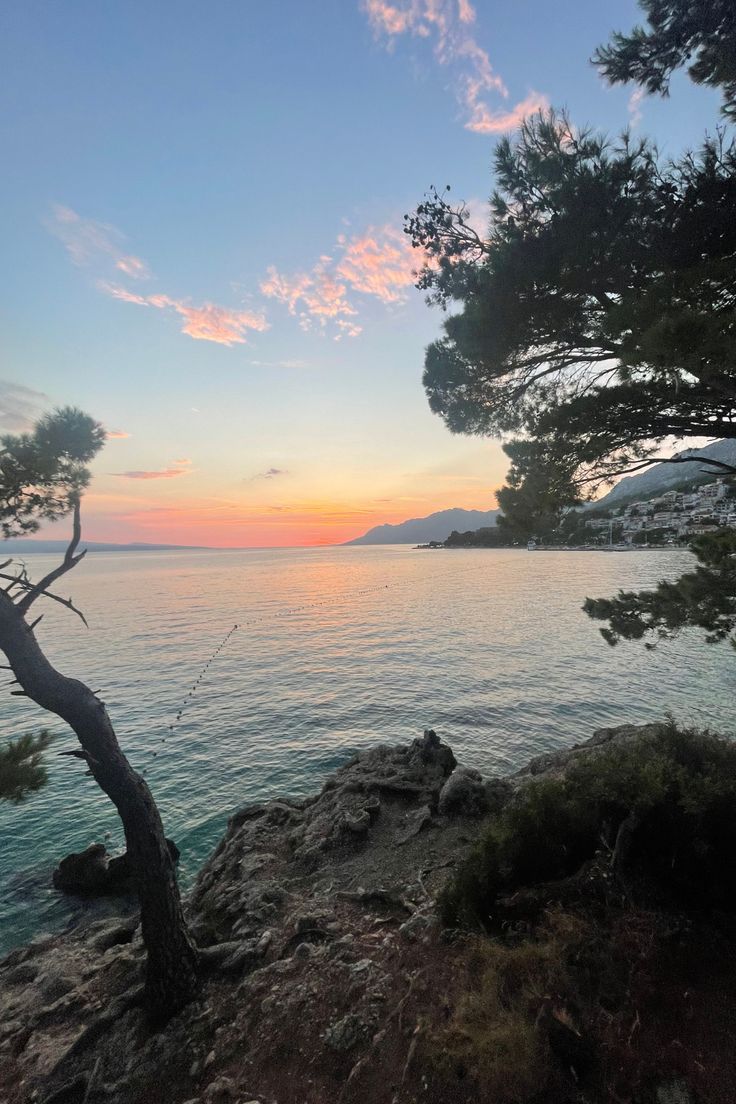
pixel 202 244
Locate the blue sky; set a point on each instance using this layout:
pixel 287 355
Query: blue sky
pixel 202 210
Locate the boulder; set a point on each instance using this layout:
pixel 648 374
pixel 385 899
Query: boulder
pixel 463 794
pixel 84 872
pixel 93 873
pixel 431 752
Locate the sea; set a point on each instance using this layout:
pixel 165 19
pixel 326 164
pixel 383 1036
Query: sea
pixel 235 675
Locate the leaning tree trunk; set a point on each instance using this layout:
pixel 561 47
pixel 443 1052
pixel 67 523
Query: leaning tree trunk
pixel 171 979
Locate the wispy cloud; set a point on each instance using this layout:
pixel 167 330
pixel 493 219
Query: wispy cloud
pixel 20 406
pixel 88 241
pixel 99 246
pixel 181 467
pixel 269 473
pixel 635 114
pixel 208 322
pixel 116 434
pixel 447 24
pixel 485 121
pixel 379 263
pixel 315 297
pixel 288 363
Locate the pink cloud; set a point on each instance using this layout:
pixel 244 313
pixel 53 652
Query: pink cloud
pixel 380 263
pixel 88 241
pixel 133 267
pixel 206 323
pixel 391 20
pixel 116 435
pixel 287 289
pixel 317 295
pixel 484 121
pixel 183 467
pixel 165 473
pixel 218 324
pixel 447 23
pixel 466 12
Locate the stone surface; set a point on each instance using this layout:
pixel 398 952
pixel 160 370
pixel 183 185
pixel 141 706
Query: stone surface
pixel 94 873
pixel 308 910
pixel 346 1033
pixel 463 794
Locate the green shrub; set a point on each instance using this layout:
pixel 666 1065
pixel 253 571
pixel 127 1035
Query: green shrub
pixel 677 789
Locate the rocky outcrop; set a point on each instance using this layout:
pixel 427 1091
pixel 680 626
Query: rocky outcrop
pixel 321 948
pixel 553 764
pixel 94 873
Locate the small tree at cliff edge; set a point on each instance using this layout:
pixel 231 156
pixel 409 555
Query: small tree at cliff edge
pixel 43 475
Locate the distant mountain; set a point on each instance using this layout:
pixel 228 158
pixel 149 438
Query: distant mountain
pixel 24 545
pixel 435 527
pixel 662 477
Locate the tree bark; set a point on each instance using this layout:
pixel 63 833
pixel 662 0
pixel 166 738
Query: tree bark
pixel 172 956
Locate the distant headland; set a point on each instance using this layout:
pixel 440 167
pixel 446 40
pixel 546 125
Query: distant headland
pixel 25 546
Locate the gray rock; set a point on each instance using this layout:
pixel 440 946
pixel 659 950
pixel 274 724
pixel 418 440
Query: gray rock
pixel 463 794
pixel 221 1091
pixel 264 942
pixel 432 752
pixel 362 967
pixel 84 872
pixel 674 1092
pixel 554 763
pixel 359 823
pixel 54 986
pixel 415 822
pixel 93 873
pixel 23 974
pixel 415 927
pixel 346 1033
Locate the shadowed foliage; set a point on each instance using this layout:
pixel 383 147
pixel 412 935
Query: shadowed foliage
pixel 677 792
pixel 21 766
pixel 702 599
pixel 698 34
pixel 42 472
pixel 600 311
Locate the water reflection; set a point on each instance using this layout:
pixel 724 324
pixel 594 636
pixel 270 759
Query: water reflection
pixel 336 649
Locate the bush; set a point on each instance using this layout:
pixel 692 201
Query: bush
pixel 676 790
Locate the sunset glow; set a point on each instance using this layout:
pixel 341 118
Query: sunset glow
pixel 204 247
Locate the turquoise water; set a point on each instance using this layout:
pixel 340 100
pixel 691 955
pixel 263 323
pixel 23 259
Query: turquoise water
pixel 336 649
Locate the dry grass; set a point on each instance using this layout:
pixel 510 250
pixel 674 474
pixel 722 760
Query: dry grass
pixel 497 1036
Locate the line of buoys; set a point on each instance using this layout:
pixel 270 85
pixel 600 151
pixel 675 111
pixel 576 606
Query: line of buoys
pixel 334 599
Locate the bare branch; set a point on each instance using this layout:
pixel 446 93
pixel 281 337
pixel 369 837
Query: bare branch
pixel 640 465
pixel 66 602
pixel 69 561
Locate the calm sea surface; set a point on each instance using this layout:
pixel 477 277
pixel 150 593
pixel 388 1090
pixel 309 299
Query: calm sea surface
pixel 336 649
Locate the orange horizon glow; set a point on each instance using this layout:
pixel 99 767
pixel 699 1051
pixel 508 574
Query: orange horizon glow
pixel 225 524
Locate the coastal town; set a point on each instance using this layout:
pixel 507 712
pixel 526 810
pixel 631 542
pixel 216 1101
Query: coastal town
pixel 672 517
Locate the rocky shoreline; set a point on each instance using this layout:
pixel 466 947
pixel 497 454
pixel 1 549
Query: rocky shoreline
pixel 327 963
